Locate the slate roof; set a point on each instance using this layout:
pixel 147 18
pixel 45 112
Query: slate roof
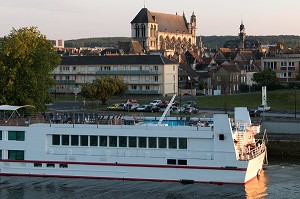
pixel 191 56
pixel 144 16
pixel 170 23
pixel 116 60
pixel 166 22
pixel 132 47
pixel 230 68
pixel 188 69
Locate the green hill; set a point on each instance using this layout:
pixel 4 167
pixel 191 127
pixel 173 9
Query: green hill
pixel 208 41
pixel 278 100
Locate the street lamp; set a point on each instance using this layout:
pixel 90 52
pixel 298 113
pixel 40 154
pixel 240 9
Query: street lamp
pixel 295 87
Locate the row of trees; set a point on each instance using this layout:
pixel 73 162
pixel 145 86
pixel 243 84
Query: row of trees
pixel 103 89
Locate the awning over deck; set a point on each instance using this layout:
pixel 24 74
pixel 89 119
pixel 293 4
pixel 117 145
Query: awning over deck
pixel 12 108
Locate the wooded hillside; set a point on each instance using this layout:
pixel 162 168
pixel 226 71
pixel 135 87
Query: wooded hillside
pixel 208 41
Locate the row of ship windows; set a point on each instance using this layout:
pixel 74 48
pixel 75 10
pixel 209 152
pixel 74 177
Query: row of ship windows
pixel 50 165
pixel 19 155
pixel 119 141
pixel 14 135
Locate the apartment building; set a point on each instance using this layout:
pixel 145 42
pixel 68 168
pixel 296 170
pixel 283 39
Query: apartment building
pixel 145 74
pixel 286 66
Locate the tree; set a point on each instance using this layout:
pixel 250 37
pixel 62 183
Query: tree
pixel 104 89
pixel 27 60
pixel 267 77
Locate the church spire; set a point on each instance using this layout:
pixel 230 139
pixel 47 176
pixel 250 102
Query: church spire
pixel 242 36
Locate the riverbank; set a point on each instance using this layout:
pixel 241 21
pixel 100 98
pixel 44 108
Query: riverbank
pixel 283 145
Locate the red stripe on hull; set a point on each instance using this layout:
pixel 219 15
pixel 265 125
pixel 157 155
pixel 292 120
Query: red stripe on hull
pixel 109 178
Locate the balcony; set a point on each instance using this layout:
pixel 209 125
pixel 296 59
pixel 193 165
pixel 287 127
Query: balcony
pixel 142 92
pixel 65 82
pixel 128 72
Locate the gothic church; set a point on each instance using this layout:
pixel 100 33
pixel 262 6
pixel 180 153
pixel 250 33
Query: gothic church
pixel 159 31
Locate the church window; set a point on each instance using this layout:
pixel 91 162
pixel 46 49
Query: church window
pixel 137 30
pixel 143 30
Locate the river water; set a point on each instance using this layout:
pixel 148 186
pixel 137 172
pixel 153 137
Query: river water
pixel 281 179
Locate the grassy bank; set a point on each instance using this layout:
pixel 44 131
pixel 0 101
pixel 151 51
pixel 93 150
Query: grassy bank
pixel 278 100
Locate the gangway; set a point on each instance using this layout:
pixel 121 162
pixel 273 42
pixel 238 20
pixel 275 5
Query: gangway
pixel 166 110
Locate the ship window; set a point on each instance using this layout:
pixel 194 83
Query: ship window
pixel 182 162
pixel 74 140
pixel 15 155
pixel 152 142
pixel 0 135
pixel 16 135
pixel 122 141
pixel 63 166
pixel 65 140
pixel 171 161
pixel 172 143
pixel 221 136
pixel 162 142
pixel 37 164
pixel 182 143
pixel 55 139
pixel 0 154
pixel 142 142
pixel 84 140
pixel 93 140
pixel 113 141
pixel 132 141
pixel 103 140
pixel 51 165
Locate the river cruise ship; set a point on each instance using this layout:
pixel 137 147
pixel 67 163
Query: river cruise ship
pixel 223 152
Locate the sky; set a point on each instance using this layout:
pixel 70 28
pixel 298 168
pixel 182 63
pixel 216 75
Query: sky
pixel 75 19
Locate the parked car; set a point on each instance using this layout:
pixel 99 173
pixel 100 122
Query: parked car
pixel 176 109
pixel 121 107
pixel 163 104
pixel 151 108
pixel 190 104
pixel 155 102
pixel 141 108
pixel 131 107
pixel 113 107
pixel 190 110
pixel 131 101
pixel 263 108
pixel 175 103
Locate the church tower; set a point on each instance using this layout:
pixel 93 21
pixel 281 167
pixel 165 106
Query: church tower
pixel 193 27
pixel 242 36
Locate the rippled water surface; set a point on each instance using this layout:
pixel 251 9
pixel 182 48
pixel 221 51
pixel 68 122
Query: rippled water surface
pixel 281 179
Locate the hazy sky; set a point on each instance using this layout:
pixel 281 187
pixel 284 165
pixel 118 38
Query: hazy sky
pixel 74 19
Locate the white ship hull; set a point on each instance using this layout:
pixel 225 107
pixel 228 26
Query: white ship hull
pixel 205 155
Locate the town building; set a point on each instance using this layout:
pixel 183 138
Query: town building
pixel 226 78
pixel 160 31
pixel 145 74
pixel 286 64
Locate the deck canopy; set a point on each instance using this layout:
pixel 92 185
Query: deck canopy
pixel 12 108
